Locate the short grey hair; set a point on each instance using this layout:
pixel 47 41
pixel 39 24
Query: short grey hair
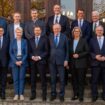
pixel 20 29
pixel 96 13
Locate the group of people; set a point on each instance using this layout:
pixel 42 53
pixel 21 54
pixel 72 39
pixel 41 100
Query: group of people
pixel 58 44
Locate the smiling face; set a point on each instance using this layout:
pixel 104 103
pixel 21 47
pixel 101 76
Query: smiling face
pixel 76 32
pixel 80 14
pixel 16 17
pixel 57 9
pixel 95 16
pixel 99 31
pixel 56 29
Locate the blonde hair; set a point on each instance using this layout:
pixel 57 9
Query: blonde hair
pixel 75 29
pixel 20 29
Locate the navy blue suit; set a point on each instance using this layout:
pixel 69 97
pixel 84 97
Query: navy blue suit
pixel 18 72
pixel 64 22
pixel 86 29
pixel 97 66
pixel 3 23
pixel 58 54
pixel 41 50
pixel 4 52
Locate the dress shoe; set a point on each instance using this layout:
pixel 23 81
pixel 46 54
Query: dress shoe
pixel 32 97
pixel 3 97
pixel 44 98
pixel 81 99
pixel 52 98
pixel 16 97
pixel 94 99
pixel 74 98
pixel 61 98
pixel 21 97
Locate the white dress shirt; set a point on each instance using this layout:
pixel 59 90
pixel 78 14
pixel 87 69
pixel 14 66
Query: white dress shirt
pixel 16 26
pixel 100 41
pixel 1 38
pixel 19 52
pixel 58 18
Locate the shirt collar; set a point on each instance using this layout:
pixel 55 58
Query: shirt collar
pixel 100 37
pixel 1 37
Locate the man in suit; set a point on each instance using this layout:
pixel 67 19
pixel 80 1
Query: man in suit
pixel 35 21
pixel 38 52
pixel 3 23
pixel 58 60
pixel 83 24
pixel 96 22
pixel 12 27
pixel 65 27
pixel 58 18
pixel 97 51
pixel 4 51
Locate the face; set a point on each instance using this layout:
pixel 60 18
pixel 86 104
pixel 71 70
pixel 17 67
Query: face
pixel 99 31
pixel 56 29
pixel 18 34
pixel 95 17
pixel 57 9
pixel 76 33
pixel 34 15
pixel 80 14
pixel 17 17
pixel 37 31
pixel 1 32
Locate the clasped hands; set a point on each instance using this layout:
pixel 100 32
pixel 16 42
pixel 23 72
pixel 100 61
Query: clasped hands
pixel 100 58
pixel 36 58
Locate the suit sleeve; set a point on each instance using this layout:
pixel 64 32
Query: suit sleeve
pixel 67 49
pixel 26 51
pixel 12 53
pixel 86 50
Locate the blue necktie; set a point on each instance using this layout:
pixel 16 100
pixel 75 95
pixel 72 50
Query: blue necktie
pixel 56 40
pixel 36 41
pixel 56 20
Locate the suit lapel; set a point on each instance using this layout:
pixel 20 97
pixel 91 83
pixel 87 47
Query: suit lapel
pixel 103 44
pixel 97 44
pixel 79 44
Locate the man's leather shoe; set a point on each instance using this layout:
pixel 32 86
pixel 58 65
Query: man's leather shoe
pixel 74 98
pixel 52 98
pixel 61 98
pixel 32 97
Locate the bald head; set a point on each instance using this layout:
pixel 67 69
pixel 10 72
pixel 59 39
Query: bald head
pixel 95 16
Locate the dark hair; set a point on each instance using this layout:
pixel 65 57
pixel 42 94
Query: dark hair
pixel 80 9
pixel 37 26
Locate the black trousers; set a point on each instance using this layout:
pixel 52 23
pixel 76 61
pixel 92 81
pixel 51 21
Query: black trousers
pixel 3 78
pixel 78 81
pixel 41 68
pixel 97 72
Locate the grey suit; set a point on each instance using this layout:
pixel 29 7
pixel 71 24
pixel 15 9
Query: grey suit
pixel 10 31
pixel 29 28
pixel 58 54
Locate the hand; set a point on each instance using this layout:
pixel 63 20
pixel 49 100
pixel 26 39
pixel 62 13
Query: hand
pixel 33 58
pixel 17 63
pixel 98 57
pixel 20 62
pixel 75 56
pixel 65 63
pixel 103 58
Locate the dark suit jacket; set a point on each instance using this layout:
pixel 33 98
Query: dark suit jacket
pixel 64 22
pixel 4 52
pixel 95 50
pixel 13 52
pixel 29 28
pixel 3 23
pixel 83 50
pixel 86 30
pixel 10 31
pixel 60 53
pixel 41 50
pixel 92 32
